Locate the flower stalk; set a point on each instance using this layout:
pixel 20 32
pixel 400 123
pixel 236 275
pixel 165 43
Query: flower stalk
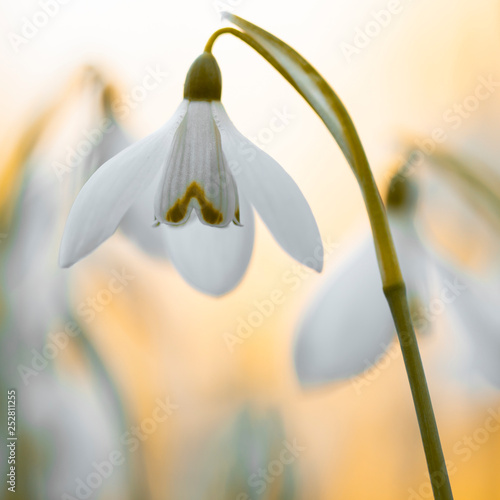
pixel 325 102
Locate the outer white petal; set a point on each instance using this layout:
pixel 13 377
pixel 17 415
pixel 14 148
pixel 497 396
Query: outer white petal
pixel 417 265
pixel 34 229
pixel 113 142
pixel 272 192
pixel 109 193
pixel 474 303
pixel 138 224
pixel 211 259
pixel 349 326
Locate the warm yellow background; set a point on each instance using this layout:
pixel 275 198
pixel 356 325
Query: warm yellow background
pixel 162 337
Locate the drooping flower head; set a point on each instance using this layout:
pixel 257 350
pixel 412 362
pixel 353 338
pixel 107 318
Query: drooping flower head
pixel 202 178
pixel 335 342
pixel 198 177
pixel 348 326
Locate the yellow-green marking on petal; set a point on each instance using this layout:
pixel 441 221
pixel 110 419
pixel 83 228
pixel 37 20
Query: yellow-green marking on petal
pixel 178 211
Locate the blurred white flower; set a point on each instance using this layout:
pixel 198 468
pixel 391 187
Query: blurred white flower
pixel 349 326
pixel 475 324
pixel 205 175
pixel 51 402
pixel 29 251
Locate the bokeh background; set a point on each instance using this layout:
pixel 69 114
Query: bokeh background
pixel 158 347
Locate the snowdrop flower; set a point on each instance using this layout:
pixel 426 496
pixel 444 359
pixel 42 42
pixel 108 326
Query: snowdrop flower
pixel 349 326
pixel 58 413
pixel 39 215
pixel 206 177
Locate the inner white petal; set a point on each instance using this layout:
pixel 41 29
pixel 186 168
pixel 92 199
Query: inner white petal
pixel 196 175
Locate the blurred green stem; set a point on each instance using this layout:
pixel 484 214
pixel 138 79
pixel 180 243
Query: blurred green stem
pixel 321 97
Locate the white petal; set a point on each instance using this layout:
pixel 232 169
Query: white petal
pixel 485 340
pixel 349 326
pixel 273 193
pixel 138 224
pixel 417 266
pixel 474 302
pixel 211 259
pixel 114 140
pixel 111 191
pixel 35 227
pixel 196 175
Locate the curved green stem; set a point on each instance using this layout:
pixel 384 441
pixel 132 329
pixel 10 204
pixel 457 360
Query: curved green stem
pixel 325 102
pixel 350 145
